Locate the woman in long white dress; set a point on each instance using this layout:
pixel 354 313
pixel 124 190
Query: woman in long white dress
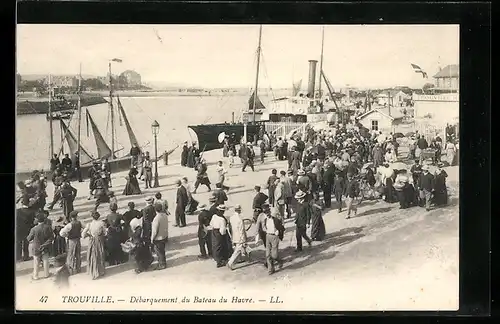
pixel 450 152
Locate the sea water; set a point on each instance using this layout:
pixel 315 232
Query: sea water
pixel 174 114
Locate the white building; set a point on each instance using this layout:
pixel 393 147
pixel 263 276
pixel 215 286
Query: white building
pixel 448 78
pixel 381 119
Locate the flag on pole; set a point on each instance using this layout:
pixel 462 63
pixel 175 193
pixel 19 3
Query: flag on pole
pixel 117 60
pixel 418 69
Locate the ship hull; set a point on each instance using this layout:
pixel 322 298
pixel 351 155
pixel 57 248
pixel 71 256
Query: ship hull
pixel 208 134
pixel 32 107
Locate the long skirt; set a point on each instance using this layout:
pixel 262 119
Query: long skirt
pixel 389 191
pixel 450 156
pixel 143 257
pixel 67 205
pixel 114 252
pixel 441 196
pixel 74 256
pixel 132 187
pixel 318 226
pixel 220 244
pixel 95 257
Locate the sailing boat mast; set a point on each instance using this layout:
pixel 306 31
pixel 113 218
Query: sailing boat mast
pixel 112 112
pixel 321 65
pixel 79 110
pixel 50 119
pixel 257 74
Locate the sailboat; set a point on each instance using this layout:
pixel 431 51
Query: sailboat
pixel 208 134
pixel 103 149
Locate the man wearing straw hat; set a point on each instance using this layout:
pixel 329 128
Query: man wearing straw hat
pixel 274 229
pixel 302 220
pixel 238 237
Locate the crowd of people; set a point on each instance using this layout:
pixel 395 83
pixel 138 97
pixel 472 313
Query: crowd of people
pixel 347 164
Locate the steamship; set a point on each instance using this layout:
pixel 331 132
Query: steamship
pixel 297 110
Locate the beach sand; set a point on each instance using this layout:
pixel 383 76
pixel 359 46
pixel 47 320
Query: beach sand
pixel 383 259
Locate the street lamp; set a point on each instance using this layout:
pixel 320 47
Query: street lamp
pixel 155 128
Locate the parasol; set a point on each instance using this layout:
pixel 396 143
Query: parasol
pixel 410 134
pixel 221 137
pixel 368 165
pixel 398 166
pixel 399 135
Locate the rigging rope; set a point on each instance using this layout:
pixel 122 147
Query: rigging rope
pixel 267 75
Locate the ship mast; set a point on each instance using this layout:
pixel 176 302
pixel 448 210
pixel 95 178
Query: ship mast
pixel 257 74
pixel 51 126
pixel 112 112
pixel 79 110
pixel 321 67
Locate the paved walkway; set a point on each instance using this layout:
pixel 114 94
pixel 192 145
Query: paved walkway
pixel 384 258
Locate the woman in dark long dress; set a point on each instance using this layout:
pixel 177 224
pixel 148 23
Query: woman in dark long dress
pixel 440 190
pixel 68 195
pixel 132 186
pixel 220 240
pixel 190 157
pixel 318 230
pixel 142 253
pixel 184 155
pixel 114 237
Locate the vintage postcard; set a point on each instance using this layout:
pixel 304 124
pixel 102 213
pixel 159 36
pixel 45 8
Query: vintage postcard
pixel 237 167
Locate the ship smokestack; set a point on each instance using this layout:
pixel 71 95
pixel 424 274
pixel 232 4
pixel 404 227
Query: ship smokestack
pixel 312 79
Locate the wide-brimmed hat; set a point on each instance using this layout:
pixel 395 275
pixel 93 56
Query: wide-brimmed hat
pixel 73 214
pixel 300 195
pixel 237 208
pixel 265 206
pixel 149 199
pixel 212 199
pixel 222 207
pixel 301 172
pixel 440 164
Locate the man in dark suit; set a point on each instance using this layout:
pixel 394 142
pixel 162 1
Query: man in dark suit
pixel 204 232
pixel 148 214
pixel 182 201
pixel 24 222
pixel 259 199
pixel 302 220
pixel 219 194
pixel 328 180
pixel 41 237
pixel 271 185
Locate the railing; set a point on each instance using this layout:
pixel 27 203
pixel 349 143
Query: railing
pixel 283 129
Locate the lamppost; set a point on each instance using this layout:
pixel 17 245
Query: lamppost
pixel 155 128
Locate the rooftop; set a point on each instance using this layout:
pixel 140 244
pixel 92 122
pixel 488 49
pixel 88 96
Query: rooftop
pixel 449 71
pixel 394 114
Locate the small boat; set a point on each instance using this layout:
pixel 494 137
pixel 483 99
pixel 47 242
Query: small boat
pixel 73 142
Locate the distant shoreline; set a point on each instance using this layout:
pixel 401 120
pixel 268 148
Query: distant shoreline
pixel 139 93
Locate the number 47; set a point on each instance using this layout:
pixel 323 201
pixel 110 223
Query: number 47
pixel 43 299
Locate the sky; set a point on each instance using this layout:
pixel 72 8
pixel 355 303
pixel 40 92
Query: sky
pixel 211 56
